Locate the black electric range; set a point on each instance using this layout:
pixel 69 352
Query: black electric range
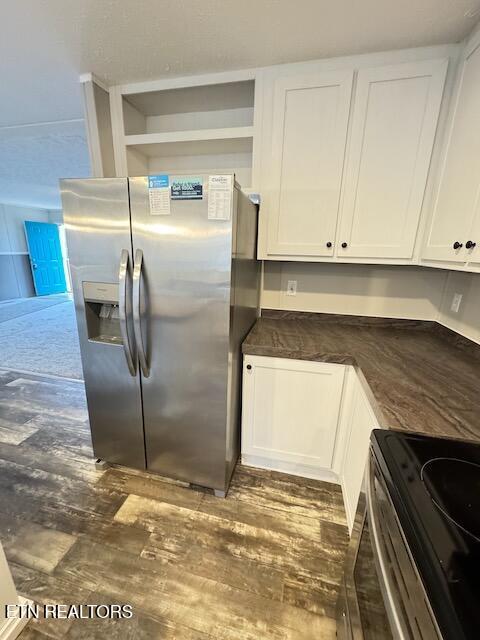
pixel 434 484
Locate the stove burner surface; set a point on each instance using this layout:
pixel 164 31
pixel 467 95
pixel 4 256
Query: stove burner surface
pixel 454 486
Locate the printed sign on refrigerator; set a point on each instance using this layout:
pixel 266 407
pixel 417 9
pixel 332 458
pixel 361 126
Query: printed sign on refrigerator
pixel 219 197
pixel 187 188
pixel 159 195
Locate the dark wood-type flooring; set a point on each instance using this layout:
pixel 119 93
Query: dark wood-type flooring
pixel 264 563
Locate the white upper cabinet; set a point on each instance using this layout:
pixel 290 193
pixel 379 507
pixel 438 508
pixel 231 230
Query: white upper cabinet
pixel 472 244
pixel 339 150
pixel 393 129
pixel 345 180
pixel 310 121
pixel 455 217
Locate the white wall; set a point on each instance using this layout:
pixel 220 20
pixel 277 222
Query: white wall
pixel 55 216
pixel 12 232
pixel 385 291
pixel 467 320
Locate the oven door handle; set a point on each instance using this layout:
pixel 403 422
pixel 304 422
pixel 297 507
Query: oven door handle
pixel 381 561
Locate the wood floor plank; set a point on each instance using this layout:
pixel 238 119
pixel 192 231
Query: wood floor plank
pixel 96 527
pixel 312 593
pixel 264 563
pixel 37 547
pixel 43 486
pixel 98 566
pixel 139 627
pixel 277 551
pixel 60 462
pixel 262 516
pixel 30 632
pixel 44 589
pixel 15 434
pixel 239 573
pixel 148 486
pixel 309 501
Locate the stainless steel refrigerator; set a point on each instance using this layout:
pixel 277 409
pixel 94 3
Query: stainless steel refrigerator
pixel 166 286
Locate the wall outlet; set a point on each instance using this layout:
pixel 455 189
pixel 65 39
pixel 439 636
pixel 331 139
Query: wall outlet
pixel 292 288
pixel 457 299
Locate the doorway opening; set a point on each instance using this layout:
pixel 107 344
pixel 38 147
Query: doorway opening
pixel 38 332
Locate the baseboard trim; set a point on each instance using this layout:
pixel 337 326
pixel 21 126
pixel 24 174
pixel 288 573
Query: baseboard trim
pixel 12 627
pixel 292 468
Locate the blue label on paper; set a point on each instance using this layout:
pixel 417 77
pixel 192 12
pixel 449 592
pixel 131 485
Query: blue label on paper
pixel 187 189
pixel 157 182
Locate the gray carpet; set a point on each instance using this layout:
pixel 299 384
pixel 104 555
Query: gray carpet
pixel 23 306
pixel 42 341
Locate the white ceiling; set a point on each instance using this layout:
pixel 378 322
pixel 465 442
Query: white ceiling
pixel 46 44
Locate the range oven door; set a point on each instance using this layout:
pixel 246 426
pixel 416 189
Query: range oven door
pixel 361 612
pixel 383 597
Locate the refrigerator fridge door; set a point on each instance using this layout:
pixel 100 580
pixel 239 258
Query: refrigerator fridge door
pixel 97 221
pixel 183 291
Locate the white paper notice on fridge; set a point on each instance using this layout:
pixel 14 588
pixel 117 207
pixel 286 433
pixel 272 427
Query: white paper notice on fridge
pixel 219 197
pixel 159 195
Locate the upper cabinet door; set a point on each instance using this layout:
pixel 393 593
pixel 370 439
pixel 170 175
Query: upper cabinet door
pixel 457 197
pixel 310 121
pixel 393 129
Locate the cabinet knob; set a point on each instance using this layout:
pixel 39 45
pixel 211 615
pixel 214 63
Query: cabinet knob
pixel 249 366
pixel 329 245
pixel 344 245
pixel 470 244
pixel 457 245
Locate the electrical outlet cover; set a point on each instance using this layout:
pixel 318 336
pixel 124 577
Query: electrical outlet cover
pixel 457 299
pixel 292 288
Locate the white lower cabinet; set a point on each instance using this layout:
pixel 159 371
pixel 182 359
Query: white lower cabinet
pixel 290 415
pixel 311 419
pixel 357 421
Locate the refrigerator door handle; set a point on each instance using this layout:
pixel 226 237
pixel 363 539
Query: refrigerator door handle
pixel 137 319
pixel 122 309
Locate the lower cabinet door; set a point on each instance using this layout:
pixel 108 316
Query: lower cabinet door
pixel 290 414
pixel 360 419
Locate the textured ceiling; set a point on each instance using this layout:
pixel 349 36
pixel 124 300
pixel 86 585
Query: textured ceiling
pixel 45 44
pixel 32 159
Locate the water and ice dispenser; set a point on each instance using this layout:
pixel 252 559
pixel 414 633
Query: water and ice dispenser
pixel 101 312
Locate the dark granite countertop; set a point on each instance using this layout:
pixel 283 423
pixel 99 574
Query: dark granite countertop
pixel 419 376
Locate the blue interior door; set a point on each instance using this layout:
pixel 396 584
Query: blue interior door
pixel 45 257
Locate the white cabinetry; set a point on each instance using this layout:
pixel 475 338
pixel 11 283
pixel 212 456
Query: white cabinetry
pixel 290 415
pixel 311 419
pixel 358 420
pixel 393 129
pixel 455 217
pixel 339 149
pixel 310 120
pixel 339 192
pixel 184 125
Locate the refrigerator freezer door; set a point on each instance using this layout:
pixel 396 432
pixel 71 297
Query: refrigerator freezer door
pixel 184 311
pixel 97 219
